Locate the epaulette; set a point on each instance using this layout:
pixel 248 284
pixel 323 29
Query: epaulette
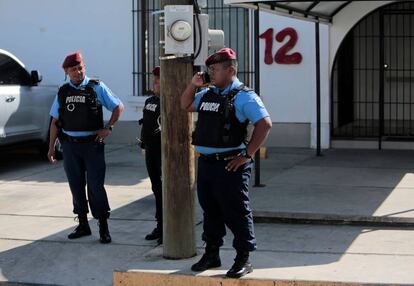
pixel 236 90
pixel 246 88
pixel 94 81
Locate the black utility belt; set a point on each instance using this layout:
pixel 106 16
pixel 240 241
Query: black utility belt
pixel 220 156
pixel 82 139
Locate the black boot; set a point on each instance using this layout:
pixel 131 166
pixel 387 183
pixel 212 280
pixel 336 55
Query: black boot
pixel 82 229
pixel 241 266
pixel 155 234
pixel 104 236
pixel 210 259
pixel 159 240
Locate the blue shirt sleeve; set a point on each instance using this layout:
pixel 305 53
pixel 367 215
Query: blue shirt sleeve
pixel 250 106
pixel 198 97
pixel 106 97
pixel 54 110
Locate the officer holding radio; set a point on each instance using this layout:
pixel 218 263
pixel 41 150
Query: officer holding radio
pixel 225 162
pixel 78 121
pixel 151 142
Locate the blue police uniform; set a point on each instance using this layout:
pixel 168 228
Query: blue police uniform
pixel 151 142
pixel 84 160
pixel 223 195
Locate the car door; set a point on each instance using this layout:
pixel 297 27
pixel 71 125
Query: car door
pixel 3 117
pixel 17 118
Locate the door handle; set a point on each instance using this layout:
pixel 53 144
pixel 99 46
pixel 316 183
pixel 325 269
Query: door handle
pixel 10 99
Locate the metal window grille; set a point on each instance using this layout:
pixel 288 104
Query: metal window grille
pixel 232 20
pixel 372 79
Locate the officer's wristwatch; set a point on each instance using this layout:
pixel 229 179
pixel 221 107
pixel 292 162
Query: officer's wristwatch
pixel 245 154
pixel 109 127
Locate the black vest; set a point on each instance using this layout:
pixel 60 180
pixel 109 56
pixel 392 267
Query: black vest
pixel 151 121
pixel 217 125
pixel 79 109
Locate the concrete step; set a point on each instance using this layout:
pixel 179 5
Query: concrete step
pixel 137 278
pixel 331 219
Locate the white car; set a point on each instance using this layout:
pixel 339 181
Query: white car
pixel 24 104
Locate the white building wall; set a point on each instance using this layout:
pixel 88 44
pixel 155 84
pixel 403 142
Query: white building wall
pixel 289 91
pixel 42 33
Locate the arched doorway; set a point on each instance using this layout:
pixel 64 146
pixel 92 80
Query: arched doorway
pixel 372 78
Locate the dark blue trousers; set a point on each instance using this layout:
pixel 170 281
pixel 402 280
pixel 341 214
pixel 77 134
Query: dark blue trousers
pixel 153 163
pixel 224 198
pixel 84 165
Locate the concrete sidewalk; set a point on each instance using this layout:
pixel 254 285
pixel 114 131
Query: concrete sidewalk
pixel 36 216
pixel 345 186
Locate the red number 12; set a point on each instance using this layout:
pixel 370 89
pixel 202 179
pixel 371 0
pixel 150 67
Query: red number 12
pixel 281 56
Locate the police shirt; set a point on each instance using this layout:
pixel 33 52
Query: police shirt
pixel 105 97
pixel 248 106
pixel 151 121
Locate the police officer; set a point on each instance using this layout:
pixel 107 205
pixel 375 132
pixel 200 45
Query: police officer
pixel 78 121
pixel 151 142
pixel 225 161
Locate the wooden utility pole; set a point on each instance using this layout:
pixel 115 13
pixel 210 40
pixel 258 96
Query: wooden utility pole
pixel 177 155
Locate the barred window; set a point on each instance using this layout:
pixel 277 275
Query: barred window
pixel 232 20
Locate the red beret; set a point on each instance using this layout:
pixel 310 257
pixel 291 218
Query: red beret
pixel 156 71
pixel 222 55
pixel 72 60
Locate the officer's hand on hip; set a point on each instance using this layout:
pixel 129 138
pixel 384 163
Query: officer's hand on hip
pixel 51 155
pixel 235 162
pixel 102 134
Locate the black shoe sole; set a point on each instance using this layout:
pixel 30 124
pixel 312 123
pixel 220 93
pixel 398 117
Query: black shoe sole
pixel 151 237
pixel 239 275
pixel 79 236
pixel 195 269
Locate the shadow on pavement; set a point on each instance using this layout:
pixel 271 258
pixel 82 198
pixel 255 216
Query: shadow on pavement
pixel 35 249
pixel 27 165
